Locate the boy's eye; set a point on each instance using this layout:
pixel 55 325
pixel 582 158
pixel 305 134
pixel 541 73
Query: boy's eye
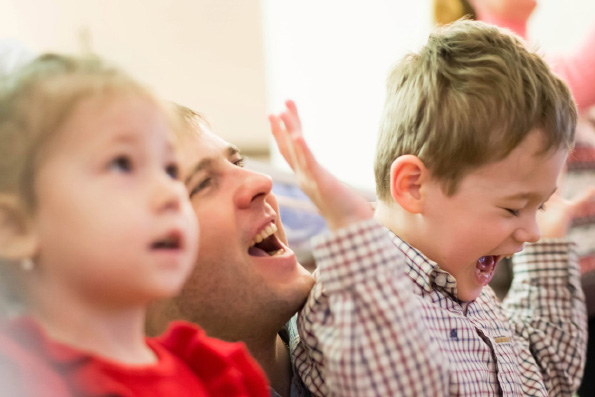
pixel 541 207
pixel 173 171
pixel 121 164
pixel 201 185
pixel 513 212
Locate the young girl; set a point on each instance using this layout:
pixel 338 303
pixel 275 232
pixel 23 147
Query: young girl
pixel 94 225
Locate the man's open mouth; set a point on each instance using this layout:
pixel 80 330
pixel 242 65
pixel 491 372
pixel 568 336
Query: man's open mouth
pixel 266 243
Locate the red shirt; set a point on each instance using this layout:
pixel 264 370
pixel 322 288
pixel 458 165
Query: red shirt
pixel 189 364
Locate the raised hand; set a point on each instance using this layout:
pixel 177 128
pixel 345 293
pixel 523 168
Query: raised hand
pixel 556 219
pixel 337 203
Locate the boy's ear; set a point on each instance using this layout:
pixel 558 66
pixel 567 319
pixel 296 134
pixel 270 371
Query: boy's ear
pixel 407 174
pixel 17 238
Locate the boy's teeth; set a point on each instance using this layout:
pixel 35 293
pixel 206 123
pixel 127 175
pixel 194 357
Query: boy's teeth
pixel 276 253
pixel 266 232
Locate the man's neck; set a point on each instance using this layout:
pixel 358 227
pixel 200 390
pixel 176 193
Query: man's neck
pixel 273 357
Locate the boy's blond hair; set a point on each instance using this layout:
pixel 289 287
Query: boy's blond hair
pixel 466 99
pixel 34 103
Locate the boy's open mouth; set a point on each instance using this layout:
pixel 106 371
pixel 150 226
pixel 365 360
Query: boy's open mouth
pixel 266 243
pixel 484 268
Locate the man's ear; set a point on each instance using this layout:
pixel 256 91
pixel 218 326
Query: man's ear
pixel 407 174
pixel 17 238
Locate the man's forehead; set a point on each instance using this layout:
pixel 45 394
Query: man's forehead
pixel 209 150
pixel 216 145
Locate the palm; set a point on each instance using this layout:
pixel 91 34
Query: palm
pixel 337 203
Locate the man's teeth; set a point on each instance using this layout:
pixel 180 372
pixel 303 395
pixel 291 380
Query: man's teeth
pixel 266 232
pixel 277 253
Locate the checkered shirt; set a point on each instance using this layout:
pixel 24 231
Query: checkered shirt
pixel 379 339
pixel 363 315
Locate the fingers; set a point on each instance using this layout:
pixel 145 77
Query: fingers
pixel 272 200
pixel 292 108
pixel 280 137
pixel 303 154
pixel 582 200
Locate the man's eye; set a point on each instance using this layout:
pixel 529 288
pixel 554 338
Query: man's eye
pixel 121 164
pixel 513 212
pixel 201 186
pixel 239 162
pixel 173 171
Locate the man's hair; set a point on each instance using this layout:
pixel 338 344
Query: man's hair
pixel 190 122
pixel 466 99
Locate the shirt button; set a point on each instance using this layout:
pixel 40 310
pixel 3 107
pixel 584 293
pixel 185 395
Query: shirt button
pixel 440 280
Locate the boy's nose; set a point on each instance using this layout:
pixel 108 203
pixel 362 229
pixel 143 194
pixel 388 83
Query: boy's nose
pixel 254 185
pixel 528 232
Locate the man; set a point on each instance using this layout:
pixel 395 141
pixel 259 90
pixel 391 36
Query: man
pixel 247 283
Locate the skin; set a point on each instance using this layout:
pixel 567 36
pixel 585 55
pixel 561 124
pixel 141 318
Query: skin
pixel 106 192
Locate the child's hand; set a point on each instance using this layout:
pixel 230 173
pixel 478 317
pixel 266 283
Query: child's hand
pixel 555 221
pixel 338 204
pixel 272 200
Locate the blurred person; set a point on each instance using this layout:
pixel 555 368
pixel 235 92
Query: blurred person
pixel 96 224
pixel 576 68
pixel 13 54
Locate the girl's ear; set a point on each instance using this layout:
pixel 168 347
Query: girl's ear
pixel 17 237
pixel 407 174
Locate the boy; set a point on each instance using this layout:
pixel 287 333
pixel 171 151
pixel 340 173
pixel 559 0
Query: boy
pixel 474 135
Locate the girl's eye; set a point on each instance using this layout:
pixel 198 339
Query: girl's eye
pixel 121 164
pixel 173 171
pixel 513 212
pixel 541 207
pixel 201 185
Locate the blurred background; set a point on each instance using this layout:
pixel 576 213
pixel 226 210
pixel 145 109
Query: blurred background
pixel 237 60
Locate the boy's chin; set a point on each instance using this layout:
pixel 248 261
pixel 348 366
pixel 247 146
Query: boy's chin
pixel 469 294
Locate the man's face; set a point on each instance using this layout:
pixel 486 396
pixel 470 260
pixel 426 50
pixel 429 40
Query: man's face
pixel 491 215
pixel 240 282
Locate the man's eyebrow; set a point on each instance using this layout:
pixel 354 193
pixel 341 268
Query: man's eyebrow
pixel 202 164
pixel 208 162
pixel 232 150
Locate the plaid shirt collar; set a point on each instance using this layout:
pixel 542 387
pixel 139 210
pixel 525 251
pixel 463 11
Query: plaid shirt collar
pixel 423 271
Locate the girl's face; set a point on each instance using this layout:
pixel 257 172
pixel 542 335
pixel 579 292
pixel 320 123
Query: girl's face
pixel 113 222
pixel 516 10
